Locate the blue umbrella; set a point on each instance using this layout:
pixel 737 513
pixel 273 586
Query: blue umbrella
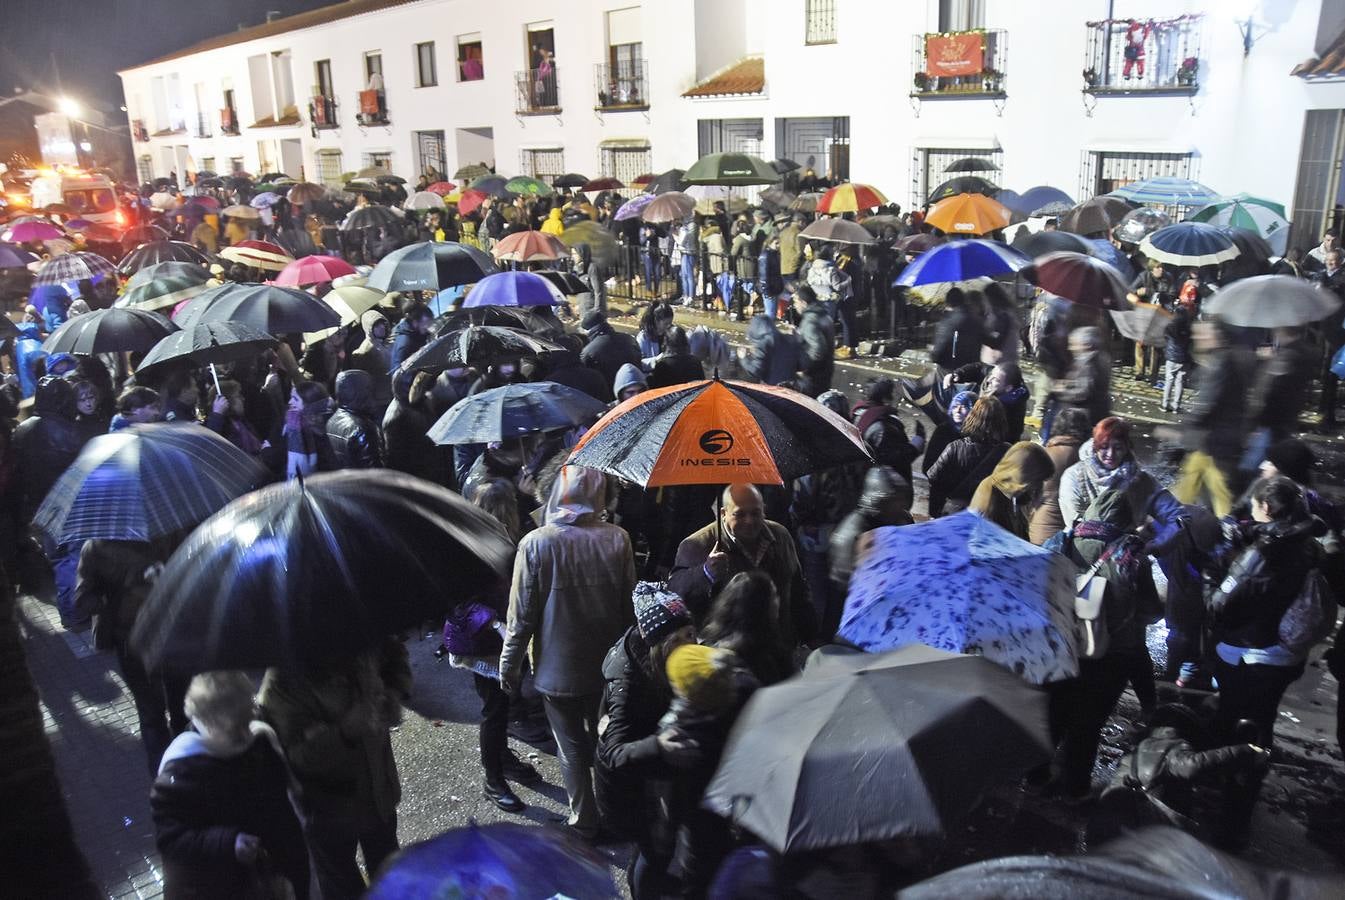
pixel 12 256
pixel 265 200
pixel 962 261
pixel 1035 198
pixel 1189 244
pixel 1108 252
pixel 963 584
pixel 632 208
pixel 514 410
pixel 511 289
pixel 1166 191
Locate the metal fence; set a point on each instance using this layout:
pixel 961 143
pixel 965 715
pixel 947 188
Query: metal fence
pixel 990 80
pixel 623 86
pixel 1122 56
pixel 536 91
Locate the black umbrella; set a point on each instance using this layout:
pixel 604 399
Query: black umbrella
pixel 783 165
pixel 143 234
pixel 205 173
pixel 430 266
pixel 515 410
pixel 109 331
pixel 145 482
pixel 312 571
pixel 159 293
pixel 963 184
pixel 372 216
pixel 872 748
pixel 971 164
pixel 390 179
pixel 268 308
pixel 1040 243
pixel 1095 216
pixel 526 318
pixel 157 252
pixel 476 345
pixel 363 186
pixel 164 182
pixel 238 183
pixel 213 181
pixel 570 180
pixel 272 176
pixel 567 283
pixel 671 180
pixel 1251 246
pixel 205 344
pixel 193 271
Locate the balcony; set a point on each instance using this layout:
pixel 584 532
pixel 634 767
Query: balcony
pixel 623 87
pixel 322 112
pixel 203 126
pixel 373 109
pixel 138 131
pixel 1155 57
pixel 536 92
pixel 228 122
pixel 962 65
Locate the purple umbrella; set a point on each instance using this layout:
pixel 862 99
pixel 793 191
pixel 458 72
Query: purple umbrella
pixel 34 231
pixel 264 200
pixel 511 289
pixel 632 208
pixel 14 257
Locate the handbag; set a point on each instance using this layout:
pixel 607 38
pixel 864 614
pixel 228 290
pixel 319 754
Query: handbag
pixel 1310 618
pixel 467 629
pixel 1090 625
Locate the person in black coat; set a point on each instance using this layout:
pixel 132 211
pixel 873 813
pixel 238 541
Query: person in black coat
pixel 677 364
pixel 772 356
pixel 886 500
pixel 223 821
pixel 405 424
pixel 411 333
pixel 817 338
pixel 958 471
pixel 356 440
pixel 607 349
pixel 876 418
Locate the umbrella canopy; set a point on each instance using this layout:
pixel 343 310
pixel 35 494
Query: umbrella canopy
pixel 306 192
pixel 1143 322
pixel 565 283
pixel 510 289
pixel 1040 243
pixel 783 165
pixel 968 214
pixel 1053 209
pixel 1166 191
pixel 275 176
pixel 109 331
pixel 262 255
pixel 523 318
pixel 877 747
pixel 570 180
pixel 310 270
pixel 971 164
pixel 718 432
pixel 805 202
pixel 495 185
pixel 372 216
pixel 671 180
pixel 963 184
pixel 501 860
pixel 528 186
pixel 468 172
pixel 1095 216
pixel 633 207
pixel 157 252
pixel 240 211
pixel 390 179
pixel 1264 217
pixel 1271 301
pixel 145 482
pixel 599 240
pixel 919 242
pixel 1109 253
pixel 514 410
pixel 1189 244
pixel 848 198
pixel 1036 197
pixel 314 570
pixel 269 308
pixel 963 584
pixel 1139 223
pixel 70 267
pixel 430 266
pixel 207 343
pixel 354 300
pixel 671 206
pixel 424 200
pixel 191 270
pixel 777 196
pixel 442 188
pixel 163 200
pixel 1084 279
pixel 265 200
pixel 962 261
pixel 12 256
pixel 529 246
pixel 143 234
pixel 840 231
pixel 1251 246
pixel 161 293
pixel 739 169
pixel 878 224
pixel 605 183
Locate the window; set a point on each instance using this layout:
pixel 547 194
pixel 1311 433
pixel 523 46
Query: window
pixel 928 164
pixel 427 75
pixel 207 164
pixel 144 168
pixel 373 66
pixel 626 162
pixel 471 65
pixel 236 165
pixel 961 15
pixel 329 168
pixel 544 164
pixel 323 69
pixel 430 160
pixel 1105 171
pixel 819 21
pixel 380 158
pixel 1315 205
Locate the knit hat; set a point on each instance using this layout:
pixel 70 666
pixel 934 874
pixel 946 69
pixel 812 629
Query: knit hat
pixel 1293 458
pixel 658 611
pixel 965 399
pixel 698 673
pixel 592 319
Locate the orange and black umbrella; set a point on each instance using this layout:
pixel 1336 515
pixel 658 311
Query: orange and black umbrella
pixel 718 432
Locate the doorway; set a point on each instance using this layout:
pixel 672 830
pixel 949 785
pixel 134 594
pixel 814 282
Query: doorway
pixel 430 154
pixel 292 158
pixel 1319 194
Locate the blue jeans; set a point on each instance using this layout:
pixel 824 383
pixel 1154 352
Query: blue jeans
pixel 771 302
pixel 65 568
pixel 688 276
pixel 651 272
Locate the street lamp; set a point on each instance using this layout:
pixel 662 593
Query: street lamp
pixel 69 107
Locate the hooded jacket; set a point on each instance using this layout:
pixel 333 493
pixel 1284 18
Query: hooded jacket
pixel 406 444
pixel 406 340
pixel 571 592
pixel 608 350
pixel 957 339
pixel 881 485
pixel 772 356
pixel 375 357
pixel 352 431
pixel 627 376
pixel 46 443
pixel 1047 518
pixel 1250 616
pixel 553 224
pixel 27 351
pixel 54 301
pixel 958 471
pixel 565 367
pixel 817 360
pixel 1003 496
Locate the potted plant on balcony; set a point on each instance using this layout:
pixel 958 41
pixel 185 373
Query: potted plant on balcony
pixel 1186 73
pixel 991 80
pixel 922 82
pixel 1090 77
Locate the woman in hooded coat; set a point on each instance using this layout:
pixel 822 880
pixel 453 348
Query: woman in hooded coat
pixel 1006 496
pixel 959 469
pixel 1070 431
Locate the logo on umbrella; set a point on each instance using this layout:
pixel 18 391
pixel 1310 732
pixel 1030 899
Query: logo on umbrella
pixel 716 441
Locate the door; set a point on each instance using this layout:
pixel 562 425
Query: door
pixel 324 74
pixel 1317 204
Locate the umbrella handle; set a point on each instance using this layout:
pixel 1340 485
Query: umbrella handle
pixel 215 375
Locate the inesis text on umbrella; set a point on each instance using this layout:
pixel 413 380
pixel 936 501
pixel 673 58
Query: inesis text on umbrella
pixel 715 442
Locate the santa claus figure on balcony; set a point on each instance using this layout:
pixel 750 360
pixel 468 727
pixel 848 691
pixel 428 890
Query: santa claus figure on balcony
pixel 1136 35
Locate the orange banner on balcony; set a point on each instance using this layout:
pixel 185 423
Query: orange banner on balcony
pixel 948 55
pixel 369 103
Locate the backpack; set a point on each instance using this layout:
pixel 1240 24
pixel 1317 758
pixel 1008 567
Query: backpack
pixel 1310 618
pixel 1091 636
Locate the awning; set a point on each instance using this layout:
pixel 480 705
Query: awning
pixel 964 142
pixel 1130 144
pixel 625 144
pixel 747 76
pixel 553 146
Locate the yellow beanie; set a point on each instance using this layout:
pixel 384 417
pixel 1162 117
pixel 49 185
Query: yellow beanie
pixel 690 666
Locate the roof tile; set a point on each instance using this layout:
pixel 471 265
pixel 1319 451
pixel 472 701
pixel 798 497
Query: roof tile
pixel 747 76
pixel 1330 64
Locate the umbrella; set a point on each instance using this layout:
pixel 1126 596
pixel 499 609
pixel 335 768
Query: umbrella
pixel 424 200
pixel 971 164
pixel 840 231
pixel 1109 253
pixel 57 209
pixel 850 198
pixel 605 183
pixel 962 261
pixel 739 169
pixel 265 200
pixel 143 234
pixel 1251 246
pixel 146 482
pixel 671 180
pixel 876 747
pixel 1143 322
pixel 528 186
pixel 670 206
pixel 1166 191
pixel 442 188
pixel 274 176
pixel 353 300
pixel 239 211
pixel 269 308
pixel 718 432
pixel 1040 243
pixel 163 292
pixel 312 270
pixel 806 202
pixel 390 179
pixel 70 267
pixel 963 184
pixel 919 242
pixel 372 216
pixel 470 199
pixel 109 331
pixel 430 266
pixel 570 180
pixel 600 241
pixel 1054 209
pixel 470 171
pixel 495 185
pixel 530 246
pixel 12 256
pixel 1035 198
pixel 515 410
pixel 26 232
pixel 1264 217
pixel 1139 223
pixel 61 246
pixel 632 208
pixel 967 214
pixel 1084 279
pixel 370 173
pixel 524 318
pixel 158 252
pixel 1271 301
pixel 207 343
pixel 314 570
pixel 163 200
pixel 262 255
pixel 775 195
pixel 784 166
pixel 1095 216
pixel 963 584
pixel 192 270
pixel 511 289
pixel 1189 244
pixel 878 224
pixel 306 192
pixel 502 860
pixel 565 283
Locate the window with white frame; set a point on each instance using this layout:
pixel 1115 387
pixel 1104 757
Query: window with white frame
pixel 427 72
pixel 380 158
pixel 929 163
pixel 627 162
pixel 471 64
pixel 208 164
pixel 329 168
pixel 236 165
pixel 819 21
pixel 1104 171
pixel 544 164
pixel 144 168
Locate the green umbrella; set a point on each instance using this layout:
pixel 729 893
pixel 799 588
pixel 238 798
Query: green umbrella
pixel 1265 217
pixel 470 171
pixel 734 169
pixel 528 186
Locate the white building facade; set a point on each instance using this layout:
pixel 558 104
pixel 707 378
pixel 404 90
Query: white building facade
pixel 878 91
